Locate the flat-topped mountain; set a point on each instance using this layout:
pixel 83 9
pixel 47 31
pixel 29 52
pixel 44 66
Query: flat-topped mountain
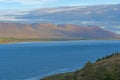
pixel 48 30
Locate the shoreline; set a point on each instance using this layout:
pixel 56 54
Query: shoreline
pixel 39 41
pixel 100 65
pixel 33 52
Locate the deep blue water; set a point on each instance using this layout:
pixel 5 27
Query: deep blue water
pixel 31 61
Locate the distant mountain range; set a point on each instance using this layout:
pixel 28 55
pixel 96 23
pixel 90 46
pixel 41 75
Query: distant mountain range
pixel 106 16
pixel 48 30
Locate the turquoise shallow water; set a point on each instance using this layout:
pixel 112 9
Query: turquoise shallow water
pixel 33 60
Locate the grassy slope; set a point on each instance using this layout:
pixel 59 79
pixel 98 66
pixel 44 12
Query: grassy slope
pixel 64 76
pixel 107 68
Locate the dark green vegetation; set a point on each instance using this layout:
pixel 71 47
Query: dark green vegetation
pixel 108 56
pixel 107 68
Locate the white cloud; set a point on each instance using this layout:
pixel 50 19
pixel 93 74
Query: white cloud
pixel 29 2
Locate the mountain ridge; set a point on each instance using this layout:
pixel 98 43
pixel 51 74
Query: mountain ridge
pixel 49 30
pixel 106 16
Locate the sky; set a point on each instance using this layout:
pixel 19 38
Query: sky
pixel 33 4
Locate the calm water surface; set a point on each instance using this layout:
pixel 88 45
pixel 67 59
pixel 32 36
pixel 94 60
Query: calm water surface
pixel 33 60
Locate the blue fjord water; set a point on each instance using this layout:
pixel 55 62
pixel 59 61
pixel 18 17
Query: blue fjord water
pixel 33 60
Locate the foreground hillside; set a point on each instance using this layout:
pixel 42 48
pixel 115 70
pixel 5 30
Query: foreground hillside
pixel 107 68
pixel 48 30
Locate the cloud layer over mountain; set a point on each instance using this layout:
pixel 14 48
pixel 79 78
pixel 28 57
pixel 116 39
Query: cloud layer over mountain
pixel 106 16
